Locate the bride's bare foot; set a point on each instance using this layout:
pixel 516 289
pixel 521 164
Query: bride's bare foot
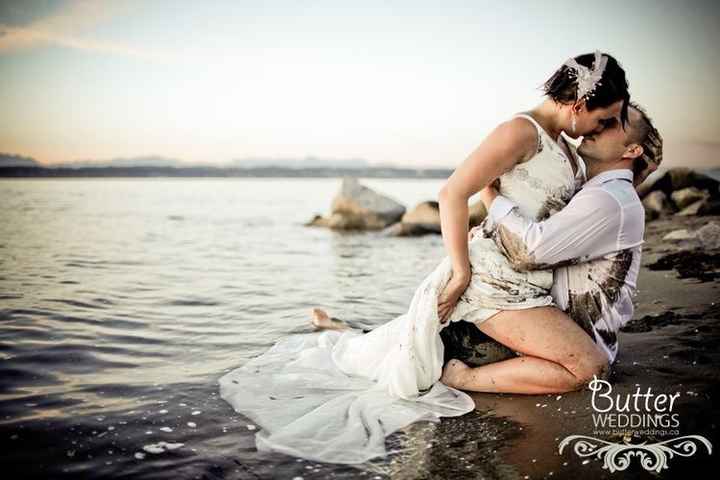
pixel 321 320
pixel 453 373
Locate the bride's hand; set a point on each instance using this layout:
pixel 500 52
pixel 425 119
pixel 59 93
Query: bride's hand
pixel 449 297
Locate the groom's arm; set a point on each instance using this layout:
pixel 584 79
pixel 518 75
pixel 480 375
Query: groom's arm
pixel 589 227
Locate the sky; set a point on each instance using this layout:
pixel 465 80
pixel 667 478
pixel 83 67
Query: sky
pixel 410 83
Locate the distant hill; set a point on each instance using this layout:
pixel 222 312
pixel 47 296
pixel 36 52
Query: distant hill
pixel 147 161
pixel 252 162
pixel 371 172
pixel 307 162
pixel 8 160
pixel 156 166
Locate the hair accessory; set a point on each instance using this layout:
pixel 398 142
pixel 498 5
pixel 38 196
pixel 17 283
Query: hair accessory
pixel 587 79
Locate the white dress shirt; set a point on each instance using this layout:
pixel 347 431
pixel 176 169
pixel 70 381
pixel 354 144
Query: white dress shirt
pixel 593 245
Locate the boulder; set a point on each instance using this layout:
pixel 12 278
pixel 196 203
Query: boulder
pixel 424 217
pixel 357 207
pixel 709 235
pixel 656 205
pixel 677 179
pixel 477 213
pixel 317 221
pixel 363 207
pixel 705 206
pixel 692 209
pixel 686 196
pixel 710 206
pixel 682 234
pixel 402 229
pixel 352 221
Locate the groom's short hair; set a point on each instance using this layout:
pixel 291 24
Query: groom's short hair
pixel 644 133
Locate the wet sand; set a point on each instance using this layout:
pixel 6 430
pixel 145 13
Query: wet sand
pixel 671 345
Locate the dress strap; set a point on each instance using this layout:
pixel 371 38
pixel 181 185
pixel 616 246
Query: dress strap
pixel 540 130
pixel 532 120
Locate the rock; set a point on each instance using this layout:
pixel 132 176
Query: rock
pixel 425 215
pixel 357 207
pixel 710 206
pixel 402 229
pixel 686 196
pixel 477 214
pixel 709 235
pixel 425 218
pixel 360 201
pixel 317 221
pixel 678 179
pixel 656 205
pixel 351 221
pixel 692 209
pixel 706 206
pixel 679 235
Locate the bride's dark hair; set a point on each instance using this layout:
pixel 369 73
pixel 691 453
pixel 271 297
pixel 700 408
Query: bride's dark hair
pixel 613 86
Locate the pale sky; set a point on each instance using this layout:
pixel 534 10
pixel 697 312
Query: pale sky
pixel 407 82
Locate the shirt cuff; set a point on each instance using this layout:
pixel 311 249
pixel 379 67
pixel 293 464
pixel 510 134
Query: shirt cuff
pixel 500 207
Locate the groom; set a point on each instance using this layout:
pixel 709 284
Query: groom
pixel 593 245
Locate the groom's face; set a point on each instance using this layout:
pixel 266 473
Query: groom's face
pixel 612 143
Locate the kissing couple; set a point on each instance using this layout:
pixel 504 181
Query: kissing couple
pixel 547 279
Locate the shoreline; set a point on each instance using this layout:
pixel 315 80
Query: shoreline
pixel 671 345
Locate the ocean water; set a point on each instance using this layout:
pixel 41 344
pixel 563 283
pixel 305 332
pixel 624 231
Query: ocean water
pixel 122 301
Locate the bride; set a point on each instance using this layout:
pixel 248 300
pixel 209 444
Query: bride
pixel 335 395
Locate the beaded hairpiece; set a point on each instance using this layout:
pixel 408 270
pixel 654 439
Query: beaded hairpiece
pixel 587 79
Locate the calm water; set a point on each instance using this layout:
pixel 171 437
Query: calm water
pixel 123 301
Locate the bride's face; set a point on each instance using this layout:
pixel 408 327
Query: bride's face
pixel 591 122
pixel 612 143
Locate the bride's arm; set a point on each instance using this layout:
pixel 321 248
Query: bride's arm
pixel 512 142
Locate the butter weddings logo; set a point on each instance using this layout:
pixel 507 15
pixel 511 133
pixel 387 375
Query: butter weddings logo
pixel 634 414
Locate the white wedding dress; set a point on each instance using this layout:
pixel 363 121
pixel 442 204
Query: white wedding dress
pixel 334 396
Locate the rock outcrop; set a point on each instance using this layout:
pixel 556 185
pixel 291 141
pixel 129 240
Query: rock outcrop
pixel 680 191
pixel 357 207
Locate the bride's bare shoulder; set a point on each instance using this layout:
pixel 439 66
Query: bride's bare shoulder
pixel 518 136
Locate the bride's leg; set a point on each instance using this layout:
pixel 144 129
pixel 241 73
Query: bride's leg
pixel 558 355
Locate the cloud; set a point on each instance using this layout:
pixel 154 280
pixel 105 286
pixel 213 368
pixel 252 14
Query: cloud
pixel 61 23
pixel 20 14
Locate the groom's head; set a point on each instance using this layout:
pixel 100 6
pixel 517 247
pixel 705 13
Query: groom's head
pixel 636 146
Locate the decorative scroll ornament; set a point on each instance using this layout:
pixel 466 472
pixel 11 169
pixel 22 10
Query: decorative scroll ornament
pixel 618 456
pixel 588 79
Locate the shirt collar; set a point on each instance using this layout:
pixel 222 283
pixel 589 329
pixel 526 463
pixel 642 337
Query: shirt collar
pixel 619 174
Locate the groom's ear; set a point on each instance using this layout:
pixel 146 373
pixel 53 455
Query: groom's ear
pixel 633 151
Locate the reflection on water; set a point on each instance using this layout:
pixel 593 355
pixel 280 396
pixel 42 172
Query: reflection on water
pixel 123 301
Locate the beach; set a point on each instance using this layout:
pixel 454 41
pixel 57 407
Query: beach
pixel 124 301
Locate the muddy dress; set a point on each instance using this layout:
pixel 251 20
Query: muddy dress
pixel 334 396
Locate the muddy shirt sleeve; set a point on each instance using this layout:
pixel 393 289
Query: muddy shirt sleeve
pixel 587 228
